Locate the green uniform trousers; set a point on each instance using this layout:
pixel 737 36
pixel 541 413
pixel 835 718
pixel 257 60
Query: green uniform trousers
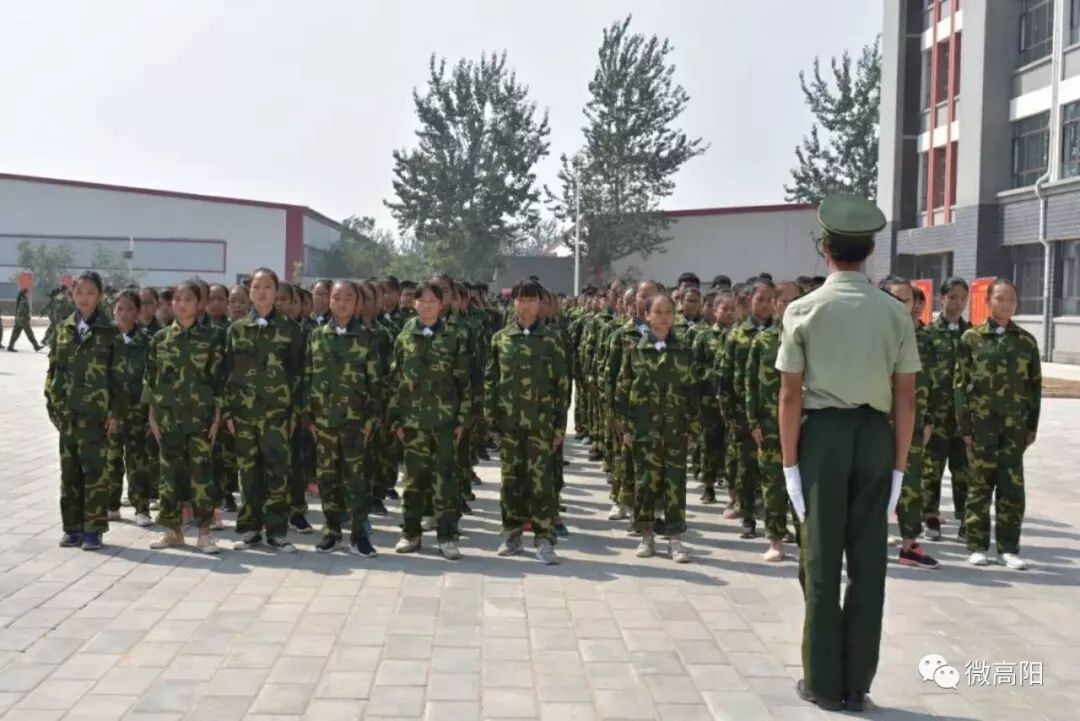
pixel 262 457
pixel 84 489
pixel 659 466
pixel 747 474
pixel 127 456
pixel 528 483
pixel 301 469
pixel 846 459
pixel 997 474
pixel 429 470
pixel 774 489
pixel 186 474
pixel 712 446
pixel 909 507
pixel 343 482
pixel 941 449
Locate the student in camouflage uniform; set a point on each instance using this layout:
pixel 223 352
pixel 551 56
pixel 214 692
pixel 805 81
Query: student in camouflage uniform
pixel 428 411
pixel 149 299
pixel 733 400
pixel 182 388
pixel 83 405
pixel 320 302
pixel 342 405
pixel 656 400
pixel 60 306
pixel 264 358
pixel 466 325
pixel 22 322
pixel 558 322
pixel 381 477
pixel 128 449
pixel 763 416
pixel 148 303
pixel 238 307
pixel 998 398
pixel 525 397
pixel 945 445
pixel 909 511
pixel 290 306
pixel 707 344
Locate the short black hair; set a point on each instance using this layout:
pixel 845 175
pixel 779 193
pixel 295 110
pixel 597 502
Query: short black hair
pixel 432 286
pixel 690 278
pixel 721 281
pixel 265 271
pixel 93 277
pixel 167 294
pixel 850 252
pixel 766 276
pixel 392 282
pixel 151 291
pixel 1000 281
pixel 527 289
pixel 323 281
pixel 193 285
pixel 130 295
pixel 408 285
pixel 954 282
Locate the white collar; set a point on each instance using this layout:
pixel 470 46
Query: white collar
pixel 660 345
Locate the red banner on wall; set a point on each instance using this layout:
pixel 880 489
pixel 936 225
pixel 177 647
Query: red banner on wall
pixel 25 280
pixel 927 287
pixel 979 308
pixel 65 280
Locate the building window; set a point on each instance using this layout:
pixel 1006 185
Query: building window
pixel 1069 303
pixel 1028 276
pixel 1036 30
pixel 1070 140
pixel 1031 145
pixel 1074 22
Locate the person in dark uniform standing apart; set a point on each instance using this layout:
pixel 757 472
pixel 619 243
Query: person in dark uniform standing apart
pixel 848 359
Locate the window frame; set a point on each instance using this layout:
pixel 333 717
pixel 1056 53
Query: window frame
pixel 1069 261
pixel 1031 52
pixel 1024 130
pixel 1070 139
pixel 1027 265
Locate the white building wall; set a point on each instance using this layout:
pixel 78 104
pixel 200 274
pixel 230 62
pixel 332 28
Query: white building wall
pixel 318 238
pixel 174 236
pixel 736 244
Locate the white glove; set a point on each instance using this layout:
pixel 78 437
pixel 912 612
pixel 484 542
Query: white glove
pixel 894 493
pixel 793 481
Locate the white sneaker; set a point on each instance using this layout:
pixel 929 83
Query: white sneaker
pixel 155 505
pixel 678 552
pixel 978 558
pixel 206 544
pixel 217 524
pixel 773 555
pixel 115 516
pixel 647 547
pixel 170 539
pixel 1013 561
pixel 617 512
pixel 125 502
pixel 450 551
pixel 895 541
pixel 427 523
pixel 143 521
pixel 248 540
pixel 407 545
pixel 546 553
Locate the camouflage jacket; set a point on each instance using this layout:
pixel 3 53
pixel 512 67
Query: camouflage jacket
pixel 998 381
pixel 184 377
pixel 264 367
pixel 221 322
pixel 22 309
pixel 429 375
pixel 924 386
pixel 130 362
pixel 469 329
pixel 152 327
pixel 763 382
pixel 618 343
pixel 343 382
pixel 81 380
pixel 708 344
pixel 732 375
pixel 390 322
pixel 384 351
pixel 656 391
pixel 320 320
pixel 942 350
pixel 526 385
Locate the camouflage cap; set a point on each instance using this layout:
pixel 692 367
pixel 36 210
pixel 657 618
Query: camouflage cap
pixel 850 219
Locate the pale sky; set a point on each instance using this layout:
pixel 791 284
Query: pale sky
pixel 303 102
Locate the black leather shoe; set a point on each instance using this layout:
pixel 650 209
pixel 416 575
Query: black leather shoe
pixel 823 704
pixel 855 701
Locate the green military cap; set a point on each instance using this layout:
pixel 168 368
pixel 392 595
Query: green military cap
pixel 850 219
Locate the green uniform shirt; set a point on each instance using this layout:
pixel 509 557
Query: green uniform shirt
pixel 848 338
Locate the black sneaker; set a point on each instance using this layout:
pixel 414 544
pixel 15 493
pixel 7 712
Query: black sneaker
pixel 932 531
pixel 91 541
pixel 71 540
pixel 280 543
pixel 660 527
pixel 392 494
pixel 825 705
pixel 482 454
pixel 561 530
pixel 230 503
pixel 300 524
pixel 961 533
pixel 708 496
pixel 916 558
pixel 466 509
pixel 855 701
pixel 328 543
pixel 362 547
pixel 378 507
pixel 749 530
pixel 562 508
pixel 475 480
pixel 469 496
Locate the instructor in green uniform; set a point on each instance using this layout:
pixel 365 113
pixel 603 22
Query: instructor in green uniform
pixel 848 360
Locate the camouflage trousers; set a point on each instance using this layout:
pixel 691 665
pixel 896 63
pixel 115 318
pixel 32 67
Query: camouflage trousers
pixel 528 483
pixel 344 484
pixel 301 469
pixel 730 465
pixel 660 481
pixel 747 474
pixel 127 455
pixel 463 465
pixel 945 447
pixel 262 457
pixel 153 454
pixel 909 509
pixel 22 328
pixel 773 487
pixel 186 474
pixel 388 455
pixel 429 469
pixel 84 488
pixel 226 475
pixel 581 407
pixel 623 476
pixel 712 446
pixel 997 473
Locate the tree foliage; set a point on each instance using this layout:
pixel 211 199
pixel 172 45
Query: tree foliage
pixel 632 149
pixel 365 250
pixel 46 263
pixel 113 268
pixel 467 190
pixel 541 240
pixel 840 154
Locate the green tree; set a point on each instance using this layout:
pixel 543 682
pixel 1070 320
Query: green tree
pixel 113 268
pixel 467 189
pixel 541 240
pixel 364 250
pixel 841 152
pixel 46 263
pixel 632 150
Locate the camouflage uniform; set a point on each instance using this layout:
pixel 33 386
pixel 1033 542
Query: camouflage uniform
pixel 621 341
pixel 264 360
pixel 708 344
pixel 224 449
pixel 430 398
pixel 342 401
pixel 22 322
pixel 998 397
pixel 945 442
pixel 80 395
pixel 153 453
pixel 302 446
pixel 526 392
pixel 183 389
pixel 656 399
pixel 383 453
pixel 909 508
pixel 733 403
pixel 763 411
pixel 469 329
pixel 128 449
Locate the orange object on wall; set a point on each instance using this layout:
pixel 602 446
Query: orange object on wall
pixel 65 280
pixel 979 309
pixel 26 280
pixel 927 287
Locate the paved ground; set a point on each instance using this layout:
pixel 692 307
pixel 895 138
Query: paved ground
pixel 132 634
